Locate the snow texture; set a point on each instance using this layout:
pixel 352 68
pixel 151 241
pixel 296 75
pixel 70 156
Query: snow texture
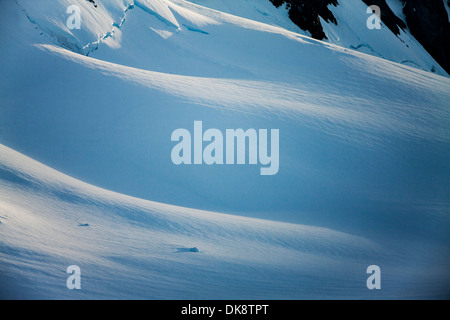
pixel 364 156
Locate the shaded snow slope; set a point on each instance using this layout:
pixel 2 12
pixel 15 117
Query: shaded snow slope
pixel 348 29
pixel 364 157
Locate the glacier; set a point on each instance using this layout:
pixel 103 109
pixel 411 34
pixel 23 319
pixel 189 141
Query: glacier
pixel 86 176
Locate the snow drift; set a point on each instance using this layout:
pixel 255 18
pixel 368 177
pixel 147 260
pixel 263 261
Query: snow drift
pixel 364 159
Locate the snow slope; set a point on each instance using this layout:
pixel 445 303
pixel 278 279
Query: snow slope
pixel 349 32
pixel 364 158
pixel 132 248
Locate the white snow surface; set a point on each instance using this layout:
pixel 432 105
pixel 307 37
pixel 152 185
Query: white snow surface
pixel 364 159
pixel 350 32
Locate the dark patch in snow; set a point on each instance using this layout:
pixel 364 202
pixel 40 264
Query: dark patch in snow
pixel 154 13
pixel 194 249
pixel 428 23
pixel 83 225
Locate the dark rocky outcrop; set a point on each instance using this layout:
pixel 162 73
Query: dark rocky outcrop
pixel 428 23
pixel 426 20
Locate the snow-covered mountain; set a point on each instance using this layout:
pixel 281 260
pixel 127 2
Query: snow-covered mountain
pixel 363 159
pixel 414 33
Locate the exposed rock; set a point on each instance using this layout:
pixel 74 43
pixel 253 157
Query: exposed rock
pixel 93 2
pixel 305 14
pixel 387 16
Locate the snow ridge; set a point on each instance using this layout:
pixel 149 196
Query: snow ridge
pixel 364 159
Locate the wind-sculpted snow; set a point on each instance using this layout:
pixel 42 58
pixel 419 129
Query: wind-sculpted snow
pixel 37 179
pixel 364 159
pixel 49 207
pixel 133 248
pixel 51 16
